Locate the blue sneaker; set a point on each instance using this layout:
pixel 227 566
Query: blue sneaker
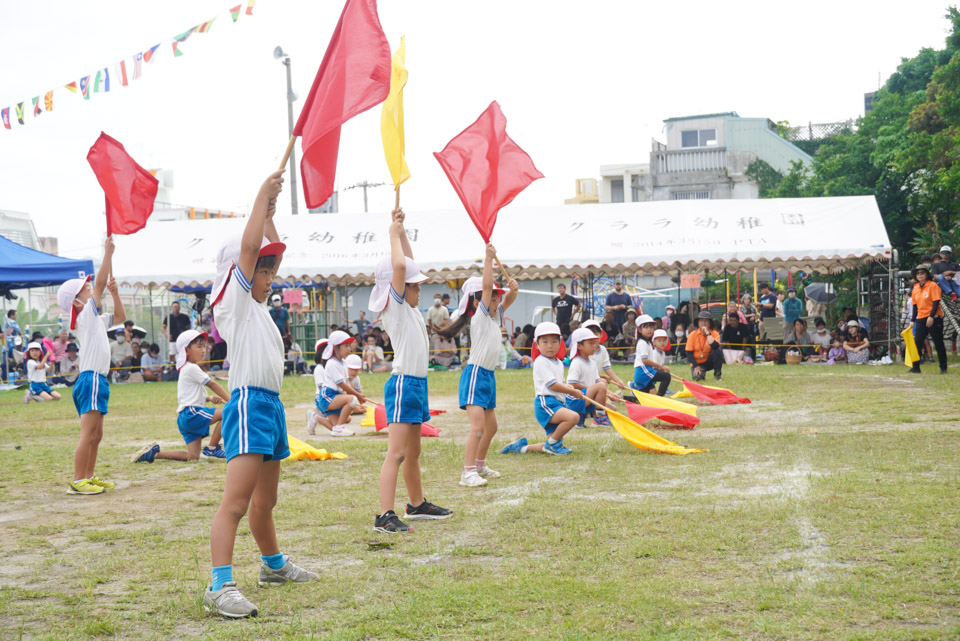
pixel 556 448
pixel 213 452
pixel 602 420
pixel 514 448
pixel 145 454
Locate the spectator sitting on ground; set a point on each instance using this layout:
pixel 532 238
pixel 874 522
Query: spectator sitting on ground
pixel 445 348
pixel 128 332
pixel 734 339
pixel 703 348
pixel 293 356
pixel 523 340
pixel 151 365
pixel 387 346
pixel 732 308
pixel 437 314
pixel 628 333
pixel 945 271
pixel 667 318
pixel 836 353
pixel 69 366
pixel 509 358
pixel 856 346
pixel 373 357
pixel 60 346
pixel 121 355
pixel 821 337
pixel 613 330
pixel 792 307
pixel 135 358
pixel 799 336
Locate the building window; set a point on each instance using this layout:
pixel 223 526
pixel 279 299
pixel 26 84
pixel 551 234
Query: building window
pixel 616 190
pixel 691 195
pixel 634 189
pixel 698 138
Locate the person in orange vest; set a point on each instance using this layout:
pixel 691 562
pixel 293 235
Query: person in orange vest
pixel 703 349
pixel 927 315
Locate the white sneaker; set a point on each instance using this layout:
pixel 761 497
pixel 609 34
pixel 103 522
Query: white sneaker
pixel 341 430
pixel 27 395
pixel 311 422
pixel 472 479
pixel 487 473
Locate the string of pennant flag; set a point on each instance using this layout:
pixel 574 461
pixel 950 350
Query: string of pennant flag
pixel 119 74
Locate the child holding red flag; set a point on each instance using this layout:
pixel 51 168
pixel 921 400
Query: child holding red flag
pixel 396 295
pixel 91 391
pixel 481 305
pixel 548 406
pixel 254 428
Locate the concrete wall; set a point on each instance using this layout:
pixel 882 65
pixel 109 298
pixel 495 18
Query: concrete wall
pixel 674 128
pixel 753 136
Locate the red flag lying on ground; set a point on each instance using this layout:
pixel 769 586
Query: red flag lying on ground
pixel 486 168
pixel 353 77
pixel 641 414
pixel 713 395
pixel 129 188
pixel 380 418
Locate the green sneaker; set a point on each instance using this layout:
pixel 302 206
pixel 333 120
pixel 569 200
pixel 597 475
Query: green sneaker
pixel 84 486
pixel 99 482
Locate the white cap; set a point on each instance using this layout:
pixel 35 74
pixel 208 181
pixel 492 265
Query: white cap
pixel 339 337
pixel 580 334
pixel 276 298
pixel 593 322
pixel 853 323
pixel 547 329
pixel 322 341
pixel 65 295
pixel 661 333
pixel 671 307
pixel 644 319
pixel 470 287
pixel 229 255
pixel 353 362
pixel 183 340
pixel 946 250
pixel 384 279
pixel 32 345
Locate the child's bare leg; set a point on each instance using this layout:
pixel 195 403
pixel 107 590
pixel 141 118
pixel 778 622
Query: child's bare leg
pixel 243 472
pixel 489 431
pixel 325 421
pixel 565 420
pixel 88 433
pixel 192 453
pixel 411 466
pixel 341 402
pixel 397 436
pixel 261 508
pixel 477 418
pixel 55 395
pixel 94 446
pixel 45 396
pixel 598 392
pixel 215 423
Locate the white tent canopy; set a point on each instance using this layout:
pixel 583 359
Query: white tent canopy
pixel 812 234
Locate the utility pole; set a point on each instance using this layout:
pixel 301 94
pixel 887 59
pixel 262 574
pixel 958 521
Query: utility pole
pixel 364 185
pixel 279 54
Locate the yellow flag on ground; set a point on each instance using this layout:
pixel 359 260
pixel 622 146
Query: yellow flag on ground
pixel 391 120
pixel 685 393
pixel 300 451
pixel 642 438
pixel 911 353
pixel 652 400
pixel 369 420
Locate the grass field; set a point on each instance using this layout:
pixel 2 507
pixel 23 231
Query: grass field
pixel 827 509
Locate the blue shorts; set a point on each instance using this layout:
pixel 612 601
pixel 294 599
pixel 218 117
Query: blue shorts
pixel 36 388
pixel 579 406
pixel 642 379
pixel 406 400
pixel 478 387
pixel 91 392
pixel 324 398
pixel 253 422
pixel 544 408
pixel 194 423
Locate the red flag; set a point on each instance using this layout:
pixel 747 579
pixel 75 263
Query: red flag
pixel 353 77
pixel 641 414
pixel 129 188
pixel 713 396
pixel 486 168
pixel 380 419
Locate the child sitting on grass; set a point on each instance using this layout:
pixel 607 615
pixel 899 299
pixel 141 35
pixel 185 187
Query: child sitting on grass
pixel 373 358
pixel 601 357
pixel 194 418
pixel 650 368
pixel 548 406
pixel 836 353
pixel 354 367
pixel 338 398
pixel 37 368
pixel 583 375
pixel 320 381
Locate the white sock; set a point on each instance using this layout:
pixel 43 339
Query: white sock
pixel 523 450
pixel 552 441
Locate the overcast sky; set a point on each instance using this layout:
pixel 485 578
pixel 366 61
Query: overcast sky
pixel 581 83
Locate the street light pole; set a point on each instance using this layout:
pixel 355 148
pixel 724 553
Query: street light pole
pixel 292 172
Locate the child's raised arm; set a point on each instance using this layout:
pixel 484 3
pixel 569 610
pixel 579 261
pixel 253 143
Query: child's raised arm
pixel 487 284
pixel 103 274
pixel 256 227
pixel 398 261
pixel 511 296
pixel 119 313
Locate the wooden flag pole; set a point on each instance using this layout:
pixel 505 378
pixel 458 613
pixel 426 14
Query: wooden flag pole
pixel 506 276
pixel 396 202
pixel 287 152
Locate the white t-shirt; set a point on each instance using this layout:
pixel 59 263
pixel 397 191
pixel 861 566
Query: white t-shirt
pixel 582 372
pixel 485 345
pixel 319 377
pixel 546 372
pixel 191 387
pixel 35 373
pixel 355 383
pixel 647 351
pixel 408 334
pixel 601 358
pixel 335 373
pixel 70 368
pixel 94 345
pixel 376 350
pixel 254 345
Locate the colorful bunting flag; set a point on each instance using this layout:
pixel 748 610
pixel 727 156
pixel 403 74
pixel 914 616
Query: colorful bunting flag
pixel 85 87
pixel 250 4
pixel 203 28
pixel 48 101
pixel 148 54
pixel 36 106
pixel 235 12
pixel 177 40
pixel 102 81
pixel 137 66
pixel 391 120
pixel 120 71
pixel 72 87
pixel 20 112
pixel 5 114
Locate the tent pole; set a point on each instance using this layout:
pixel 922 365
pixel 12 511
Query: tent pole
pixel 153 331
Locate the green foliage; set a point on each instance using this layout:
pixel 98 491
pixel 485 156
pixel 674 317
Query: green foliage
pixel 765 176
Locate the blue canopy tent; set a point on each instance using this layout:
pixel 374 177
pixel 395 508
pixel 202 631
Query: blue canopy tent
pixel 22 267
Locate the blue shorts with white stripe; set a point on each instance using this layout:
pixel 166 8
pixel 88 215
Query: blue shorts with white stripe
pixel 194 423
pixel 254 422
pixel 91 392
pixel 405 398
pixel 478 386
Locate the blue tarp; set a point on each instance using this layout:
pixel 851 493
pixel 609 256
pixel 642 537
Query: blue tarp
pixel 22 267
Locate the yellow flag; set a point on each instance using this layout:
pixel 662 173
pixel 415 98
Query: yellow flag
pixel 652 400
pixel 391 120
pixel 911 353
pixel 642 438
pixel 300 451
